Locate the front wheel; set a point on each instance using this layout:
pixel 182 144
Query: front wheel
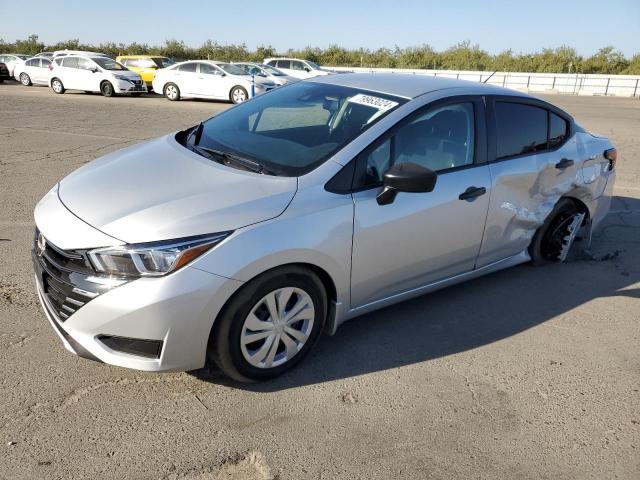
pixel 57 86
pixel 25 80
pixel 238 95
pixel 553 240
pixel 106 89
pixel 270 325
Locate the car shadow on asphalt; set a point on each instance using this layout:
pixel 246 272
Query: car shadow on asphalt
pixel 475 313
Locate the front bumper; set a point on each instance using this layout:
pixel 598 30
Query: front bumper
pixel 122 86
pixel 177 310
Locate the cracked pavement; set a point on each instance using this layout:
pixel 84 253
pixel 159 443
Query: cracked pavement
pixel 526 373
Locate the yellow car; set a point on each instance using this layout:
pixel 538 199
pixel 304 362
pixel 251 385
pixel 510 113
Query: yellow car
pixel 145 65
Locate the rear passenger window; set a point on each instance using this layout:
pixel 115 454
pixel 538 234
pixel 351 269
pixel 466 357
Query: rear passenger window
pixel 70 62
pixel 557 130
pixel 284 63
pixel 521 129
pixel 34 62
pixel 188 67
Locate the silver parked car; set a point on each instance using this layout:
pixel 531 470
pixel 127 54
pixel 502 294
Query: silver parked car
pixel 242 239
pixel 267 71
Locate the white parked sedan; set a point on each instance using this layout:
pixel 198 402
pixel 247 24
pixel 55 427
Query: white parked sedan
pixel 267 71
pixel 11 60
pixel 34 71
pixel 208 79
pixel 297 67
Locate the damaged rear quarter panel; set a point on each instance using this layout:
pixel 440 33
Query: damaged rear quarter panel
pixel 525 190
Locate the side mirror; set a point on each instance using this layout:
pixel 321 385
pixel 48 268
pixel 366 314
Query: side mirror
pixel 307 69
pixel 94 69
pixel 406 177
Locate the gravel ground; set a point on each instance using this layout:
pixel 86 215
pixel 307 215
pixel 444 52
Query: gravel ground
pixel 526 373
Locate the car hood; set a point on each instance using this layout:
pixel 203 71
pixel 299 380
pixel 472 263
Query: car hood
pixel 125 73
pixel 159 190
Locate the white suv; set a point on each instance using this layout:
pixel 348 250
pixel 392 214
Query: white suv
pixel 296 67
pixel 94 74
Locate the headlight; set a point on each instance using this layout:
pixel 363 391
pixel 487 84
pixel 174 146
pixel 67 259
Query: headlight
pixel 122 77
pixel 152 259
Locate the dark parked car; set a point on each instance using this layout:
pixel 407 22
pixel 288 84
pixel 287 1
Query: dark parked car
pixel 4 72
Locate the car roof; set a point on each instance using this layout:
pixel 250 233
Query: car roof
pixel 404 85
pixel 141 56
pixel 268 59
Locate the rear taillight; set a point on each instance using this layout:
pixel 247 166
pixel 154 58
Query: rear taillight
pixel 612 156
pixel 51 66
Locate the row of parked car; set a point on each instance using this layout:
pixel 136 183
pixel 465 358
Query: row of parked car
pixel 136 74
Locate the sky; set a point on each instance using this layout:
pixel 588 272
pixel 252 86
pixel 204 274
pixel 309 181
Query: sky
pixel 495 25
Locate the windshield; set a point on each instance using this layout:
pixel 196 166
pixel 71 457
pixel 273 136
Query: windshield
pixel 163 62
pixel 232 69
pixel 273 71
pixel 22 57
pixel 107 63
pixel 314 66
pixel 293 129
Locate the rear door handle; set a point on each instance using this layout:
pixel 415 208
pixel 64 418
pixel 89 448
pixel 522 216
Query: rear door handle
pixel 472 192
pixel 564 163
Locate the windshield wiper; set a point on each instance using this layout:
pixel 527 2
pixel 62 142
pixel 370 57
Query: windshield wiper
pixel 231 159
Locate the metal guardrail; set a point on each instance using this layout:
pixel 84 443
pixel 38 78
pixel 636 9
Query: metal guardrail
pixel 573 84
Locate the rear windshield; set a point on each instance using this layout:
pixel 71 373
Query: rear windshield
pixel 293 129
pixel 163 62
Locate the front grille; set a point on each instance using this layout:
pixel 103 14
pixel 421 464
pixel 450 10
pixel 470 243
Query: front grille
pixel 63 277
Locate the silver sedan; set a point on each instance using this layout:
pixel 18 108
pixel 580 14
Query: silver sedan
pixel 240 240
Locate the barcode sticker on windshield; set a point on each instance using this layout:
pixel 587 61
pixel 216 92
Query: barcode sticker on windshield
pixel 381 104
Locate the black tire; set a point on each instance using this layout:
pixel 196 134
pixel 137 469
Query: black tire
pixel 224 342
pixel 172 92
pixel 106 89
pixel 237 93
pixel 548 240
pixel 25 80
pixel 57 86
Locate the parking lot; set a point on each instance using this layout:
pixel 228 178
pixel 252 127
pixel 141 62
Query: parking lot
pixel 525 373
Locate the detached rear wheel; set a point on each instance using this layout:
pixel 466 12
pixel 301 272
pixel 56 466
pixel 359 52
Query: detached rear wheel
pixel 270 325
pixel 552 241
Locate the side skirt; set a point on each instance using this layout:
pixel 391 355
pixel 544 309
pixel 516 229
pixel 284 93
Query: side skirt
pixel 343 316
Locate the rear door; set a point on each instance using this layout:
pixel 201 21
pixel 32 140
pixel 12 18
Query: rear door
pixel 186 77
pixel 285 66
pixel 527 170
pixel 31 68
pixel 42 72
pixel 69 73
pixel 421 238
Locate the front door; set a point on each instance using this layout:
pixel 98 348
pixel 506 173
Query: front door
pixel 210 82
pixel 421 238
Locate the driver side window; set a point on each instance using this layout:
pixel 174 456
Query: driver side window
pixel 439 139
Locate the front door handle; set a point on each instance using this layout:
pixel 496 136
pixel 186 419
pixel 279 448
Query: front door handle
pixel 564 163
pixel 472 192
